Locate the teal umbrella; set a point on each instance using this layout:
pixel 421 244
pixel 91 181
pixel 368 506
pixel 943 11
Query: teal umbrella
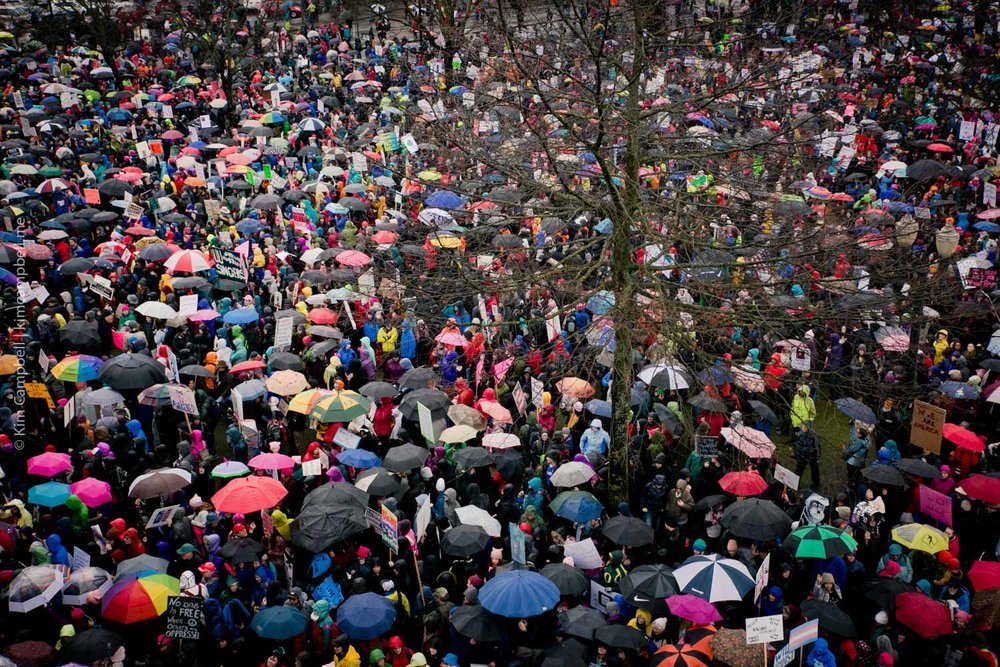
pixel 819 542
pixel 50 494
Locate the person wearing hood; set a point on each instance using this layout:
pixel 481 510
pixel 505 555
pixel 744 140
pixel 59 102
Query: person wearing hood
pixel 897 556
pixel 595 441
pixel 534 496
pixel 463 393
pixel 679 503
pixel 772 602
pixel 820 655
pixel 614 570
pixel 654 498
pixel 449 369
pixel 532 518
pixel 451 506
pixel 57 552
pixel 139 438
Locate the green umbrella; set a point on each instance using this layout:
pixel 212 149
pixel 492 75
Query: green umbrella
pixel 340 407
pixel 819 542
pixel 50 172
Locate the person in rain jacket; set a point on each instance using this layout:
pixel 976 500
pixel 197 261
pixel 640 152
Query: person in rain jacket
pixel 595 441
pixel 79 514
pixel 896 555
pixel 139 438
pixel 614 570
pixel 803 407
pixel 534 497
pixel 346 354
pixel 449 369
pixel 281 524
pixel 57 552
pixel 820 655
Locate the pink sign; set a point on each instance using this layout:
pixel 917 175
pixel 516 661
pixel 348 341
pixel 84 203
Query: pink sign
pixel 935 505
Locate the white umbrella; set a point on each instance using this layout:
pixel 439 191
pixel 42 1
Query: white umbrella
pixel 310 256
pixel 458 433
pixel 470 515
pixel 34 587
pixel 83 582
pixel 501 441
pixel 572 473
pixel 157 310
pixel 161 482
pixel 668 377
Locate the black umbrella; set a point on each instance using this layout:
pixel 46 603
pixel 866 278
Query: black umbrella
pixel 668 419
pixel 91 646
pixel 318 526
pixel 764 412
pixel 286 361
pixel 195 370
pixel 241 550
pixel 568 579
pixel 708 403
pixel 297 317
pixel 473 457
pixel 77 265
pixel 131 371
pixel 330 495
pixel 628 531
pixel 708 502
pixel 79 333
pixel 923 170
pixel 648 586
pixel 918 467
pixel 831 618
pixel 378 482
pixel 114 187
pixel 990 365
pixel 189 282
pixel 581 622
pixel 856 410
pixel 417 378
pixel 884 474
pixel 474 622
pixel 570 653
pixel 378 390
pixel 432 399
pixel 405 458
pixel 465 540
pixel 883 591
pixel 621 636
pixel 756 519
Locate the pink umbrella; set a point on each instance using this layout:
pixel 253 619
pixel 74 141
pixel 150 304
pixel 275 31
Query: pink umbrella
pixel 92 492
pixel 49 464
pixel 499 413
pixel 989 214
pixel 353 258
pixel 693 609
pixel 750 441
pixel 271 462
pixel 204 315
pixel 451 338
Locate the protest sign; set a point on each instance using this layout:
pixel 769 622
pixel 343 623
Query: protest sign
pixel 390 529
pixel 763 573
pixel 927 426
pixel 185 617
pixel 935 504
pixel 229 264
pixel 764 629
pixel 188 304
pixel 101 286
pixel 346 439
pixel 786 477
pixel 182 399
pixel 81 558
pixel 706 446
pixel 162 516
pixel 426 423
pixel 283 329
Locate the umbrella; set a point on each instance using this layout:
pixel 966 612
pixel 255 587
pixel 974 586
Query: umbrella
pixel 90 646
pixel 365 616
pixel 500 440
pixel 286 383
pixel 925 616
pixel 568 579
pixel 83 581
pixel 982 487
pixel 466 416
pixel 465 540
pixel 581 622
pixel 985 575
pixel 473 457
pixel 241 550
pixel 920 537
pixel 647 586
pixel 80 333
pixel 918 467
pixel 49 464
pixel 963 437
pixel 694 609
pixel 341 407
pixel 134 599
pixel 577 506
pixel 304 401
pixel 132 371
pixel 743 483
pixel 404 458
pixel 156 310
pixel 162 482
pixel 271 461
pixel 318 526
pixel 821 541
pixel 519 594
pixel 703 402
pixel 30 654
pixel 713 578
pixel 230 469
pixel 575 387
pixel 883 591
pixel 756 519
pixel 470 515
pixel 378 482
pixel 474 622
pixel 359 458
pixel 432 399
pixel 50 494
pixel 884 474
pixel 92 492
pixel 374 390
pixel 279 623
pixel 856 410
pixel 140 565
pixel 620 636
pixel 709 502
pixel 246 495
pixel 34 587
pixel 831 618
pixel 572 473
pixel 729 647
pixel 627 531
pixel 458 433
pixel 685 655
pixel 417 378
pixel 78 368
pixel 750 441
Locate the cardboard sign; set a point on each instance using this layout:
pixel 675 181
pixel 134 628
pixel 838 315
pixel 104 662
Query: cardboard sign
pixel 101 286
pixel 92 196
pixel 185 617
pixel 927 426
pixel 426 423
pixel 517 544
pixel 390 529
pixel 39 390
pixel 935 505
pixel 283 330
pixel 81 558
pixel 584 554
pixel 764 629
pixel 786 477
pixel 706 446
pixel 188 304
pixel 346 439
pixel 182 399
pixel 229 264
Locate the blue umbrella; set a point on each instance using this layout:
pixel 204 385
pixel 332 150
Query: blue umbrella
pixel 241 316
pixel 445 199
pixel 366 616
pixel 598 407
pixel 577 506
pixel 958 390
pixel 856 410
pixel 519 594
pixel 249 226
pixel 990 227
pixel 118 115
pixel 50 494
pixel 279 623
pixel 8 277
pixel 359 458
pixel 716 375
pixel 320 565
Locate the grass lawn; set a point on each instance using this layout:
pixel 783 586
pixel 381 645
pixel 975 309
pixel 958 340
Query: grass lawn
pixel 833 430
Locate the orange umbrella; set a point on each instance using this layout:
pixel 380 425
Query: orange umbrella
pixel 575 387
pixel 684 655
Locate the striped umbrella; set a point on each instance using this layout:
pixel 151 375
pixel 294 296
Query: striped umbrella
pixel 79 368
pixel 139 599
pixel 340 407
pixel 819 542
pixel 304 401
pixel 713 578
pixel 188 261
pixel 684 655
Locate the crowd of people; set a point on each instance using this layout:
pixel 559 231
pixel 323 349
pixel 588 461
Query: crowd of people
pixel 317 374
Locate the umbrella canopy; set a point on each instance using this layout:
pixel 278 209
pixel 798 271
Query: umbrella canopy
pixel 272 461
pixel 475 622
pixel 458 433
pixel 985 575
pixel 49 464
pixel 467 416
pixel 820 541
pixel 92 492
pixel 756 519
pixel 925 616
pixel 856 410
pixel 404 458
pixel 374 390
pixel 750 441
pixel 831 618
pixel 884 474
pixel 318 526
pixel 241 550
pixel 883 591
pixel 473 457
pixel 132 371
pixel 519 594
pixel 620 636
pixel 34 587
pixel 572 473
pixel 470 515
pixel 140 565
pixel 286 383
pixel 982 487
pixel 743 483
pixel 628 531
pixel 465 540
pixel 918 467
pixel 245 495
pixel 378 482
pixel 230 469
pixel 685 655
pixel 729 647
pixel 83 581
pixel 694 609
pixel 134 599
pixel 279 623
pixel 963 437
pixel 581 621
pixel 713 578
pixel 365 616
pixel 50 494
pixel 577 506
pixel 342 406
pixel 666 377
pixel 78 368
pixel 361 459
pixel 90 646
pixel 920 537
pixel 647 586
pixel 162 482
pixel 568 579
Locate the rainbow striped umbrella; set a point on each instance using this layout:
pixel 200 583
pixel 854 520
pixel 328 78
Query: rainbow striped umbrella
pixel 139 599
pixel 304 401
pixel 79 368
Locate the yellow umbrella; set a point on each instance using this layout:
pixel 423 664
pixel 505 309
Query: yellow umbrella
pixel 446 242
pixel 304 401
pixel 429 175
pixel 9 364
pixel 6 35
pixel 920 537
pixel 286 383
pixel 342 406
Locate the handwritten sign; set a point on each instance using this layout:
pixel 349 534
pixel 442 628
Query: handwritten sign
pixel 188 305
pixel 927 426
pixel 346 439
pixel 786 477
pixel 185 617
pixel 283 329
pixel 39 390
pixel 765 629
pixel 312 468
pixel 706 446
pixel 182 399
pixel 81 558
pixel 426 423
pixel 390 529
pixel 935 505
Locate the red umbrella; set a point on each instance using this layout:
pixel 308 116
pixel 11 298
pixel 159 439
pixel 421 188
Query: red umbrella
pixel 322 316
pixel 247 366
pixel 940 148
pixel 684 655
pixel 249 494
pixel 743 483
pixel 354 258
pixel 985 575
pixel 982 487
pixel 928 618
pixel 963 437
